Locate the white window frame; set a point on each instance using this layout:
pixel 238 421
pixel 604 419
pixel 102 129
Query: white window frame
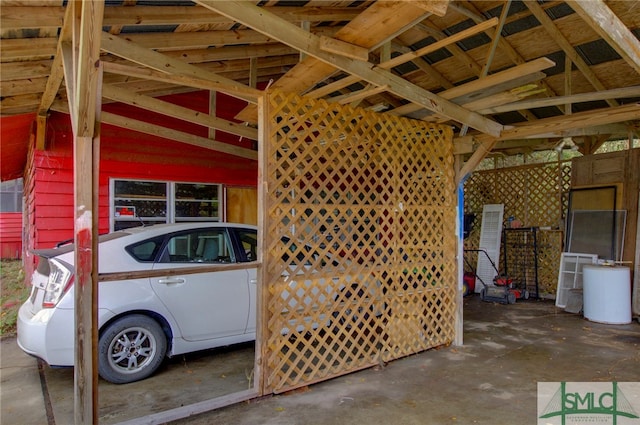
pixel 170 216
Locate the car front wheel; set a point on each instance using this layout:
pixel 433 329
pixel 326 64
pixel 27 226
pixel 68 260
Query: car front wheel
pixel 131 349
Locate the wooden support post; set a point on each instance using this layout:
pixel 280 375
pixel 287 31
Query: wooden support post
pixel 261 371
pixel 568 83
pixel 85 102
pixel 212 112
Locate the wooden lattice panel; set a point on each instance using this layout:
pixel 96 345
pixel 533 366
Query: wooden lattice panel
pixel 536 195
pixel 549 253
pixel 359 263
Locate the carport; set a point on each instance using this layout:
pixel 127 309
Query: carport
pixel 377 192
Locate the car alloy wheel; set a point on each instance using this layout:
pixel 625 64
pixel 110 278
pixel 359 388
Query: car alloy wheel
pixel 130 349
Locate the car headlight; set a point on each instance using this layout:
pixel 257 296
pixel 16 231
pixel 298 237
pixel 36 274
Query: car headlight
pixel 60 279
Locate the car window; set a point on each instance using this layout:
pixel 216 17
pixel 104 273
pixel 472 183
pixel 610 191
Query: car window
pixel 199 246
pixel 146 251
pixel 248 243
pixel 303 253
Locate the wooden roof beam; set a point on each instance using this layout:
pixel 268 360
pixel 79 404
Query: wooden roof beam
pixel 175 67
pixel 126 96
pixel 197 82
pixel 348 50
pixel 373 27
pixel 25 17
pixel 470 10
pixel 438 8
pixel 566 46
pixel 517 73
pixel 445 42
pixel 548 127
pixel 166 133
pixel 560 125
pixel 608 26
pixel 259 19
pixel 178 41
pixel 621 93
pixel 423 66
pixel 54 81
pixel 407 57
pixel 360 94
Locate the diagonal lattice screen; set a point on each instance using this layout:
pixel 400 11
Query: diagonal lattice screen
pixel 360 245
pixel 534 194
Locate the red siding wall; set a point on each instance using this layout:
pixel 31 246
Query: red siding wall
pixel 125 154
pixel 10 236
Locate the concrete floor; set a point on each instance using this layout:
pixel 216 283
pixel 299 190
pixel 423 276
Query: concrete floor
pixel 491 379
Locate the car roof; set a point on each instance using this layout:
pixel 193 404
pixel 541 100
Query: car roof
pixel 146 232
pixel 157 229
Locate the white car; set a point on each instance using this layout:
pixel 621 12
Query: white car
pixel 143 320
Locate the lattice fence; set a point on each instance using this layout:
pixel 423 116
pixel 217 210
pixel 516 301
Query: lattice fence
pixel 537 196
pixel 360 251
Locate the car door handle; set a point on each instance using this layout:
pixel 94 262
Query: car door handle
pixel 253 281
pixel 171 281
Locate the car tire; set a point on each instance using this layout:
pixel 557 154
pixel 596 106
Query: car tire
pixel 131 349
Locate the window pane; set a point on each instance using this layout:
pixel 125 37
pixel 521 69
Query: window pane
pixel 11 195
pixel 196 191
pixel 8 186
pixel 196 201
pixel 139 189
pixel 138 202
pixel 7 202
pixel 249 241
pixel 201 246
pixel 146 251
pixel 140 208
pixel 197 209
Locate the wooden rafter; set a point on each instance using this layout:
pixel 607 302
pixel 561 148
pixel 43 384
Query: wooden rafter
pixel 627 92
pixel 271 25
pixel 54 81
pixel 172 110
pixel 18 17
pixel 167 133
pixel 154 60
pixel 566 46
pixel 517 73
pixel 406 57
pixel 557 126
pixel 376 25
pixel 608 26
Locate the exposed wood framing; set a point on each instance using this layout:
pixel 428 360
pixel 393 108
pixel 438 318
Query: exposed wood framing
pixel 154 60
pixel 566 46
pixel 197 81
pixel 25 17
pixel 87 73
pixel 378 24
pixel 472 12
pixel 167 133
pixel 348 50
pixel 54 81
pixel 608 26
pixel 169 109
pixel 627 92
pixel 555 126
pixel 271 25
pixel 501 79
